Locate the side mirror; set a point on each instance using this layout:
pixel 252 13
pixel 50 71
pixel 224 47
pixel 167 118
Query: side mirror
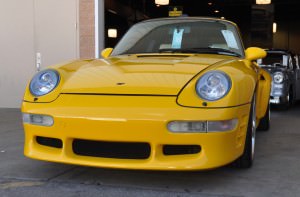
pixel 105 53
pixel 254 53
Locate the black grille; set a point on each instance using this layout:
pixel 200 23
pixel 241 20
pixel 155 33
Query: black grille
pixel 181 149
pixel 117 150
pixel 47 141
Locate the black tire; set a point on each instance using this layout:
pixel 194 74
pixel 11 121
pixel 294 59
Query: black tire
pixel 284 106
pixel 264 123
pixel 289 101
pixel 292 100
pixel 246 160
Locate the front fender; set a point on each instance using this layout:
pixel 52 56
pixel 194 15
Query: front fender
pixel 263 93
pixel 65 70
pixel 243 77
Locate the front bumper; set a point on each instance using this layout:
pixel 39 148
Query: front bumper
pixel 133 119
pixel 278 100
pixel 279 93
pixel 275 100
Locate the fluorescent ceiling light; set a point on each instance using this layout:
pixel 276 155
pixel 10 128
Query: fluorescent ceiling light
pixel 162 2
pixel 274 28
pixel 112 33
pixel 263 1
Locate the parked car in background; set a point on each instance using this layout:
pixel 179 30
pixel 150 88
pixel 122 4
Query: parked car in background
pixel 284 68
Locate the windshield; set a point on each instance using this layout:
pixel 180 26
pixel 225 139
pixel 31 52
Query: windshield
pixel 274 58
pixel 182 36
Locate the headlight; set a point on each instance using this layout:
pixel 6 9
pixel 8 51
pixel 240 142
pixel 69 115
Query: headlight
pixel 213 85
pixel 44 82
pixel 278 77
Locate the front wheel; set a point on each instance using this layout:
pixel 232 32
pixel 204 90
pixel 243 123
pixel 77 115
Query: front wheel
pixel 246 160
pixel 288 101
pixel 287 105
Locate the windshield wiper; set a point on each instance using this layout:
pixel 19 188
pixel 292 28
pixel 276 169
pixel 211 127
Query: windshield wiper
pixel 225 51
pixel 172 50
pixel 207 50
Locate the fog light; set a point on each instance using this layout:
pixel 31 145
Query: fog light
pixel 187 127
pixel 226 125
pixel 38 119
pixel 202 126
pixel 275 100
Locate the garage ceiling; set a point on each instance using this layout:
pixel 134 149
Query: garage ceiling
pixel 228 8
pixel 286 13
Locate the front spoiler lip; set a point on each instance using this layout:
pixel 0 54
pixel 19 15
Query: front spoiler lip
pixel 157 161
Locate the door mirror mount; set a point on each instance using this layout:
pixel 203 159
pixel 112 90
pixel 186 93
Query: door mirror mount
pixel 105 53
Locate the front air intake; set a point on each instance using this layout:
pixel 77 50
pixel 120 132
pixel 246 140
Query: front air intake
pixel 117 150
pixel 181 149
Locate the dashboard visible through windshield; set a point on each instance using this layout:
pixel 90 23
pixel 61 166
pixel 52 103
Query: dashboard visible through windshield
pixel 181 36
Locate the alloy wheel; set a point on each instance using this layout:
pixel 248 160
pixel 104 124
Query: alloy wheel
pixel 253 129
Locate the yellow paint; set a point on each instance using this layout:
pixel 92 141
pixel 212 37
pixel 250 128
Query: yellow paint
pixel 133 119
pixel 132 98
pixel 263 93
pixel 106 52
pixel 243 84
pixel 254 53
pixel 160 75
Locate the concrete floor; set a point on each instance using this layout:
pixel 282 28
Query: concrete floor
pixel 276 171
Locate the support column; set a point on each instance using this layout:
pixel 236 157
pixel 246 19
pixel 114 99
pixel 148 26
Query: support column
pixel 87 28
pixel 99 27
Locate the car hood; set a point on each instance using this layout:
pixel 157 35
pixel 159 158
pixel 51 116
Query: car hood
pixel 137 74
pixel 273 69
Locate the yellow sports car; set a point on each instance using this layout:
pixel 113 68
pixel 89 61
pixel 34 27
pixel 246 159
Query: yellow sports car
pixel 174 94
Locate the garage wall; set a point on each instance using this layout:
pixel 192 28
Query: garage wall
pixel 17 53
pixel 29 27
pixel 287 36
pixel 56 30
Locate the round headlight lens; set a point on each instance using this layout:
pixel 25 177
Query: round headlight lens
pixel 278 77
pixel 44 82
pixel 213 85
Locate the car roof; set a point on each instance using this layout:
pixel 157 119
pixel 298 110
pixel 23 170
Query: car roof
pixel 279 51
pixel 185 18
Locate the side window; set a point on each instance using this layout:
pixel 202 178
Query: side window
pixel 290 65
pixel 297 62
